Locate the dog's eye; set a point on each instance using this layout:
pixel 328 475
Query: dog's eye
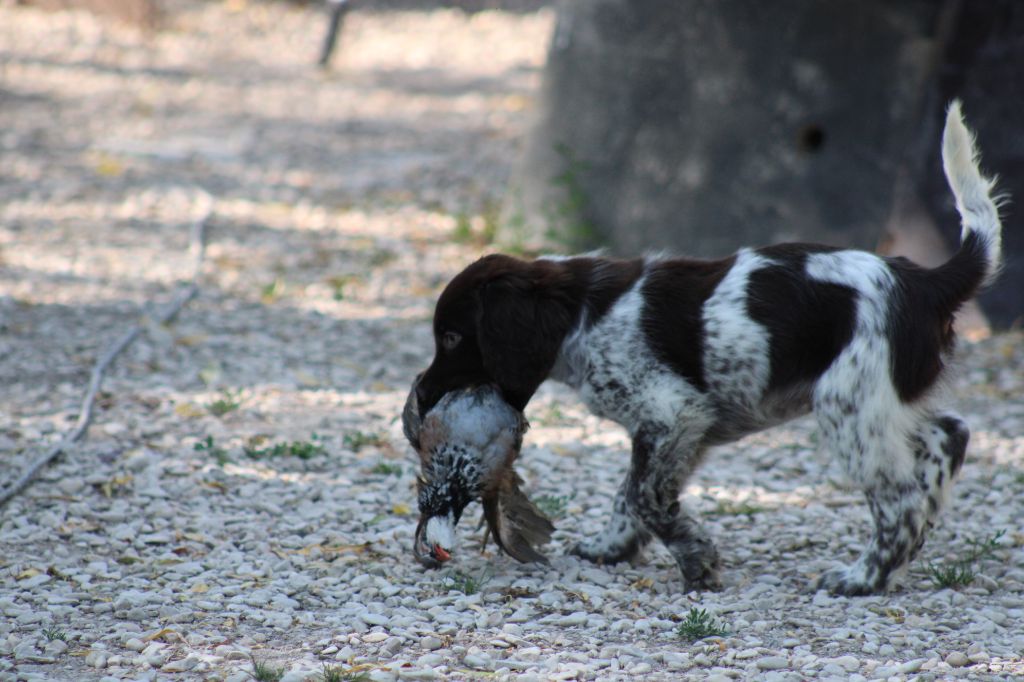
pixel 450 340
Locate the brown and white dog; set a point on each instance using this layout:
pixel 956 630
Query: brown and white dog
pixel 688 354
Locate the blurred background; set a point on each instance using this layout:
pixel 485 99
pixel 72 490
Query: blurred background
pixel 693 126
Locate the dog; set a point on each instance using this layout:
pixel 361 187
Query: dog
pixel 687 354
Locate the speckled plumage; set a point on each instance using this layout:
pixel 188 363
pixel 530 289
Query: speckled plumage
pixel 467 445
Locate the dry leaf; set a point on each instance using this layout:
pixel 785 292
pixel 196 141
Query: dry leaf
pixel 400 509
pixel 189 410
pixel 161 633
pixel 190 340
pixel 335 549
pixel 109 487
pixel 108 166
pixel 216 485
pixel 28 573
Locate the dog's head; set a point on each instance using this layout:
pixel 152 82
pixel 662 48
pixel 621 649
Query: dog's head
pixel 500 321
pixel 467 444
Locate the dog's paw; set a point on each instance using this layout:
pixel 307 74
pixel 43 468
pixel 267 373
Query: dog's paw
pixel 702 572
pixel 605 553
pixel 844 581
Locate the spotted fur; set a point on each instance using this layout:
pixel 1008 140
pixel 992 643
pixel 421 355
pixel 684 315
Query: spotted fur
pixel 687 354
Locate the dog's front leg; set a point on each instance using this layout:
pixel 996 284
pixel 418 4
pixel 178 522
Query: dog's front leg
pixel 623 536
pixel 661 465
pixel 648 503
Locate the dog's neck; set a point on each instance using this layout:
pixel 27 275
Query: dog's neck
pixel 602 282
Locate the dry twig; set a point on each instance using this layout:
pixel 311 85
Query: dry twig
pixel 184 295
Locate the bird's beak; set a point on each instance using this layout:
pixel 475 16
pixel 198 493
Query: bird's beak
pixel 430 555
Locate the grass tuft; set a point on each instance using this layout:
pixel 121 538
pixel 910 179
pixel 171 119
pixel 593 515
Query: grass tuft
pixel 383 468
pixel 951 575
pixel 337 673
pixel 52 633
pixel 730 508
pixel 229 401
pixel 464 582
pixel 699 624
pixel 208 445
pixel 270 293
pixel 297 448
pixel 264 672
pixel 357 440
pixel 553 506
pixel 961 573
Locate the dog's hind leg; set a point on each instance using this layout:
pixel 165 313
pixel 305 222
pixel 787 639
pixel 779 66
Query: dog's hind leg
pixel 940 445
pixel 903 461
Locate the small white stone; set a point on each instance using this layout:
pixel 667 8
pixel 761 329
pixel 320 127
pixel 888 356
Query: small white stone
pixel 96 659
pixel 181 665
pixel 957 659
pixel 55 647
pixel 772 663
pixel 576 618
pixel 374 618
pixel 431 643
pixel 135 644
pixel 477 661
pixel 430 660
pixel 911 666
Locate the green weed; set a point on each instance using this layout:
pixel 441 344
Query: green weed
pixel 297 448
pixel 229 401
pixel 264 672
pixel 465 583
pixel 273 291
pixel 356 440
pixel 961 573
pixel 699 624
pixel 52 633
pixel 208 446
pixel 383 468
pixel 553 506
pixel 336 673
pixel 730 508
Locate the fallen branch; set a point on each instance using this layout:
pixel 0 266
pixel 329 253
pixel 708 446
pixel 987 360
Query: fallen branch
pixel 184 295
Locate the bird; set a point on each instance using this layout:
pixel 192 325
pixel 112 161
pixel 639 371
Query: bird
pixel 467 445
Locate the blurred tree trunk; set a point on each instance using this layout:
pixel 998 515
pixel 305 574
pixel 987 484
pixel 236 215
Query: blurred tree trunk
pixel 700 126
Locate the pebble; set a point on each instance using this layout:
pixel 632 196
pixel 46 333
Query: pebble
pixel 96 659
pixel 430 642
pixel 772 663
pixel 180 665
pixel 957 659
pixel 374 618
pixel 477 661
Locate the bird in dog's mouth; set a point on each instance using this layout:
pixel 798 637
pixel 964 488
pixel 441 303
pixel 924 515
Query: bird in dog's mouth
pixel 467 445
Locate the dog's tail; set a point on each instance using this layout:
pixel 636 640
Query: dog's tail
pixel 978 260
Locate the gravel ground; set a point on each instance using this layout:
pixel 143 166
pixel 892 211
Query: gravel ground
pixel 245 493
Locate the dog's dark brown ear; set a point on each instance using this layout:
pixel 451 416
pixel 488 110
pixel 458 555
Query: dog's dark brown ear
pixel 523 317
